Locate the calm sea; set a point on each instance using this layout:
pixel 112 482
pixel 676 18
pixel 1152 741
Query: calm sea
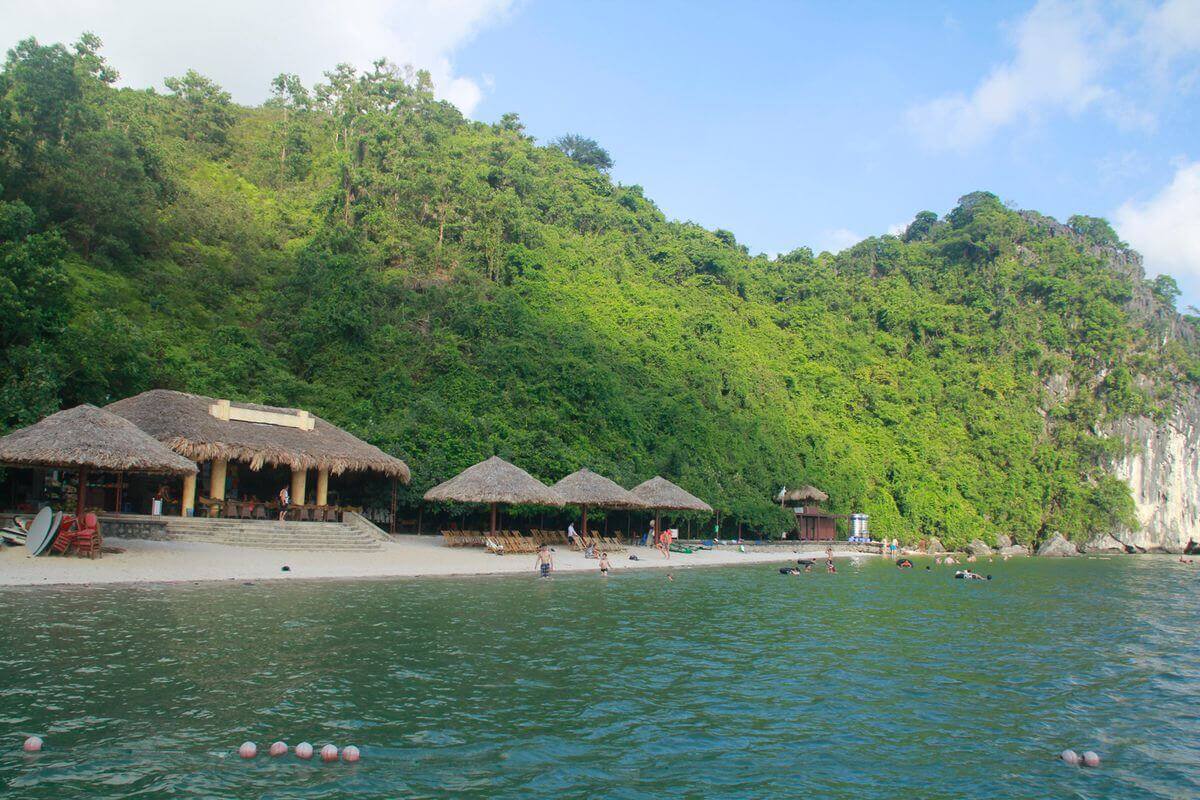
pixel 730 682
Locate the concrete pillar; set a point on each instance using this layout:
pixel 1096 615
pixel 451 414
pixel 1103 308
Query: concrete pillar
pixel 322 487
pixel 187 503
pixel 216 484
pixel 299 476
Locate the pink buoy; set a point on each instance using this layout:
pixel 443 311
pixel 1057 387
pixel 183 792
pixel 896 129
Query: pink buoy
pixel 278 748
pixel 33 744
pixel 248 750
pixel 350 754
pixel 1070 757
pixel 329 753
pixel 304 750
pixel 1091 759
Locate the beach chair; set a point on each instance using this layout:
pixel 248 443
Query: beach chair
pixel 66 534
pixel 494 546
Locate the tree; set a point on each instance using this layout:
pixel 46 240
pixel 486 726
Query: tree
pixel 921 227
pixel 582 150
pixel 1096 230
pixel 204 110
pixel 1165 288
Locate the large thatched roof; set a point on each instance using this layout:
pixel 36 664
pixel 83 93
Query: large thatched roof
pixel 182 422
pixel 805 494
pixel 586 488
pixel 658 492
pixel 86 436
pixel 495 481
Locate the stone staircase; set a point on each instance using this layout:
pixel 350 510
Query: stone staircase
pixel 271 534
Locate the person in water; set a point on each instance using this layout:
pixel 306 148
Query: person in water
pixel 808 566
pixel 545 561
pixel 829 567
pixel 604 564
pixel 904 563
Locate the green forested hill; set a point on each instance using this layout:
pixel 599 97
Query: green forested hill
pixel 449 289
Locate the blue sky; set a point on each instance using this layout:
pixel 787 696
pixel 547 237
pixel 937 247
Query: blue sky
pixel 790 124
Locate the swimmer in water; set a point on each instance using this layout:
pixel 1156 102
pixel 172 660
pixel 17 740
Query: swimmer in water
pixel 937 560
pixel 904 563
pixel 829 567
pixel 808 566
pixel 544 562
pixel 604 564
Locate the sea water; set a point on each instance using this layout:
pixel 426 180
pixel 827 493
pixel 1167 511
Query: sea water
pixel 725 682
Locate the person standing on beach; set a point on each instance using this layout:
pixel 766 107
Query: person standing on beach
pixel 664 543
pixel 650 537
pixel 545 561
pixel 285 499
pixel 572 536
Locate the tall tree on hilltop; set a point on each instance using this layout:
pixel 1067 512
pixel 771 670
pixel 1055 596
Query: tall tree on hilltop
pixel 583 150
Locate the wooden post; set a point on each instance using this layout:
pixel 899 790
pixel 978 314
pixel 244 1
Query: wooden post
pixel 188 501
pixel 216 480
pixel 392 525
pixel 120 486
pixel 493 519
pixel 81 494
pixel 323 487
pixel 583 509
pixel 299 478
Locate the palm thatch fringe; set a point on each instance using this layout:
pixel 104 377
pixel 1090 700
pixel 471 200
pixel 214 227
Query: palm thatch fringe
pixel 495 481
pixel 660 493
pixel 586 488
pixel 86 437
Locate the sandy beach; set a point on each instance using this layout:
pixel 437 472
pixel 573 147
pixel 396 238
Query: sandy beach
pixel 147 561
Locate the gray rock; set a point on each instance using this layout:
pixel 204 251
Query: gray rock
pixel 1014 550
pixel 1057 546
pixel 978 547
pixel 1104 543
pixel 1003 541
pixel 934 545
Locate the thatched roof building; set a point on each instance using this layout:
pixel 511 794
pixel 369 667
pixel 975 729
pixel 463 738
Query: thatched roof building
pixel 203 429
pixel 805 494
pixel 495 481
pixel 660 493
pixel 586 488
pixel 86 437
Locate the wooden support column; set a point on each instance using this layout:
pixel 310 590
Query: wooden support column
pixel 299 478
pixel 187 503
pixel 322 487
pixel 216 482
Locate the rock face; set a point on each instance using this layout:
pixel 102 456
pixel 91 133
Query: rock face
pixel 934 545
pixel 1104 543
pixel 1014 550
pixel 1162 468
pixel 978 547
pixel 1056 545
pixel 1003 541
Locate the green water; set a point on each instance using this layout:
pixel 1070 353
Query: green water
pixel 735 682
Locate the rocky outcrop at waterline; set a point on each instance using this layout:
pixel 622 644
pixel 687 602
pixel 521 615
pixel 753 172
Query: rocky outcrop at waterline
pixel 1057 545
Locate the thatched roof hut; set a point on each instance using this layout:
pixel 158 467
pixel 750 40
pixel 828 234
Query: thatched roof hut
pixel 660 493
pixel 193 426
pixel 86 437
pixel 585 489
pixel 493 482
pixel 805 494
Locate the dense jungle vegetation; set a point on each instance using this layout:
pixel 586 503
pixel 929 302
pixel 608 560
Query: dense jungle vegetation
pixel 449 289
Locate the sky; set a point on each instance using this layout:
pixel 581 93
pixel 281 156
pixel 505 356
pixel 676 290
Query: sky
pixel 791 124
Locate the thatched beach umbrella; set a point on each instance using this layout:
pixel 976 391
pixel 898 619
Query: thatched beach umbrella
pixel 585 488
pixel 86 437
pixel 662 495
pixel 495 481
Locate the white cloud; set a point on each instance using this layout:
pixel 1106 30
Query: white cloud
pixel 836 240
pixel 1173 28
pixel 1166 228
pixel 1070 56
pixel 243 44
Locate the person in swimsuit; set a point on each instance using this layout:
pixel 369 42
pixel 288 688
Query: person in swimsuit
pixel 829 567
pixel 904 563
pixel 604 564
pixel 545 561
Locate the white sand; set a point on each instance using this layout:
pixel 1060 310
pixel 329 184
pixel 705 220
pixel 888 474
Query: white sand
pixel 407 556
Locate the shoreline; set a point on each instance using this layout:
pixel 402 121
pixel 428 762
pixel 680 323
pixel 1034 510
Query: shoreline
pixel 149 562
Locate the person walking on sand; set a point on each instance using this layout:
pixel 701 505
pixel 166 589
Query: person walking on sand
pixel 664 543
pixel 573 537
pixel 650 537
pixel 285 499
pixel 545 561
